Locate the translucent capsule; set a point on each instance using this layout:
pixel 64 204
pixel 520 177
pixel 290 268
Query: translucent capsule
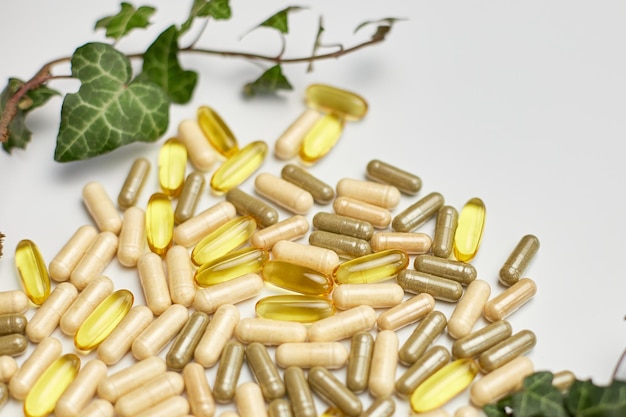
pixel 265 372
pixel 118 343
pixel 217 132
pixel 159 332
pixel 384 364
pixel 49 387
pixel 379 217
pixel 328 99
pixel 321 192
pixel 132 237
pixel 417 213
pixel 159 223
pixel 248 205
pixel 193 230
pixel 424 334
pixel 95 260
pixel 229 236
pixel 13 344
pixel 8 368
pixel 469 231
pixel 412 243
pixel 13 301
pixel 81 390
pixel 482 339
pixel 344 246
pixel 506 350
pixel 297 278
pixel 103 320
pixel 133 183
pixel 228 372
pixel 440 288
pixel 46 352
pixel 269 332
pixel 198 390
pixel 294 307
pixel 32 271
pixel 330 355
pixel 321 138
pixel 13 323
pixel 182 349
pixel 469 309
pixel 425 365
pixel 217 334
pixel 461 272
pixel 231 265
pixel 86 302
pixel 230 292
pixel 359 361
pixel 70 254
pixel 160 388
pixel 283 193
pixel 313 257
pixel 172 165
pixel 289 229
pixel 333 392
pixel 288 144
pixel 385 173
pixel 379 295
pixel 239 167
pixel 128 379
pixel 510 300
pixel 443 385
pixel 518 260
pixel 407 312
pixel 501 381
pixel 445 227
pixel 46 318
pixel 180 276
pixel 189 197
pixel 381 195
pixel 343 225
pixel 153 282
pixel 249 400
pixel 199 151
pixel 381 407
pixel 299 392
pixel 101 208
pixel 377 266
pixel 342 325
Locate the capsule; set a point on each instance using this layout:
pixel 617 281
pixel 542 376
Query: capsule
pixel 404 181
pixel 193 230
pixel 13 323
pixel 229 236
pixel 118 343
pixel 381 407
pixel 239 167
pixel 283 193
pixel 159 332
pixel 384 364
pixel 46 318
pixel 342 325
pixel 153 282
pixel 217 132
pixel 482 339
pixel 432 360
pixel 510 300
pixel 469 309
pixel 159 223
pixel 501 381
pixel 321 192
pixel 81 390
pixel 171 168
pixel 95 260
pixel 249 400
pixel 13 344
pixel 381 195
pixel 467 411
pixel 407 312
pixel 128 379
pixel 133 183
pixel 199 151
pixel 189 197
pixel 469 230
pixel 98 408
pixel 321 138
pixel 288 144
pixel 424 334
pixel 417 213
pixel 180 276
pixel 4 394
pixel 378 266
pixel 182 349
pixel 445 227
pixel 313 257
pixel 518 260
pixel 279 408
pixel 329 99
pixel 264 371
pixel 46 352
pixel 443 385
pixel 101 208
pixel 412 243
pixel 461 272
pixel 359 361
pixel 198 390
pixel 345 246
pixel 343 225
pixel 8 368
pixel 297 278
pixel 379 217
pixel 380 295
pixel 440 288
pixel 562 380
pixel 13 301
pixel 294 307
pixel 231 265
pixel 228 371
pixel 132 239
pixel 333 392
pixel 217 334
pixel 158 389
pixel 174 406
pixel 32 271
pixel 49 387
pixel 230 292
pixel 299 393
pixel 506 350
pixel 330 355
pixel 70 254
pixel 86 302
pixel 269 332
pixel 289 229
pixel 248 205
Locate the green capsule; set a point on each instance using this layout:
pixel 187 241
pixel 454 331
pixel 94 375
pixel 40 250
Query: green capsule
pixel 159 223
pixel 440 288
pixel 359 361
pixel 182 350
pixel 344 246
pixel 228 371
pixel 388 174
pixel 217 132
pixel 424 334
pixel 322 137
pixel 189 197
pixel 445 227
pixel 232 265
pixel 461 272
pixel 469 231
pixel 377 266
pixel 279 408
pixel 13 344
pixel 418 213
pixel 518 260
pixel 297 278
pixel 248 205
pixel 381 407
pixel 295 307
pixel 265 371
pixel 299 393
pixel 507 350
pixel 328 99
pixel 482 339
pixel 239 167
pixel 427 364
pixel 333 392
pixel 133 184
pixel 12 323
pixel 229 236
pixel 322 193
pixel 172 165
pixel 343 225
pixel 32 270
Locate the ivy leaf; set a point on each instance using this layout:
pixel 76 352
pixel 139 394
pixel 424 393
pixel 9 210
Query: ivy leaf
pixel 499 409
pixel 279 20
pixel 109 110
pixel 382 29
pixel 217 9
pixel 160 64
pixel 585 399
pixel 538 397
pixel 39 96
pixel 269 82
pixel 126 20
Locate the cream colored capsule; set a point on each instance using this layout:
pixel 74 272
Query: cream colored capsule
pixel 159 332
pixel 153 282
pixel 469 309
pixel 230 292
pixel 288 143
pixel 46 318
pixel 218 332
pixel 180 275
pixel 378 217
pixel 95 259
pixel 86 302
pixel 48 350
pixel 132 236
pixel 330 355
pixel 289 229
pixel 13 301
pixel 98 408
pixel 158 389
pixel 269 332
pixel 319 259
pixel 509 300
pixel 439 412
pixel 384 363
pixel 176 406
pixel 118 343
pixel 500 382
pixel 201 154
pixel 412 243
pixel 62 265
pixel 285 194
pixel 229 414
pixel 193 230
pixel 467 411
pixel 198 390
pixel 250 401
pixel 8 367
pixel 406 312
pixel 101 208
pixel 562 380
pixel 377 295
pixel 81 390
pixel 128 379
pixel 381 195
pixel 342 325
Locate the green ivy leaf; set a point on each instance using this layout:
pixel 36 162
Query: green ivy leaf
pixel 269 82
pixel 109 110
pixel 40 96
pixel 279 20
pixel 585 399
pixel 126 20
pixel 160 64
pixel 538 397
pixel 217 9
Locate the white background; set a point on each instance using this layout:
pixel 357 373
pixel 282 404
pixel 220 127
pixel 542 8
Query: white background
pixel 519 103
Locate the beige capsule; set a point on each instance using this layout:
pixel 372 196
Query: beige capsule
pixel 64 262
pixel 510 300
pixel 505 351
pixel 159 332
pixel 289 229
pixel 176 406
pixel 376 295
pixel 439 412
pixel 233 291
pixel 269 332
pixel 154 282
pixel 46 352
pixel 379 217
pixel 502 381
pixel 180 272
pixel 313 257
pixel 284 193
pixel 406 312
pixel 198 390
pixel 229 413
pixel 518 260
pixel 288 143
pixel 330 355
pixel 8 367
pixel 81 390
pixel 200 152
pixel 249 400
pixel 101 208
pixel 46 318
pixel 412 243
pixel 469 309
pixel 265 372
pixel 95 259
pixel 467 411
pixel 384 364
pixel 342 325
pixel 153 392
pixel 132 241
pixel 445 227
pixel 248 205
pixel 98 408
pixel 13 302
pixel 417 213
pixel 322 193
pixel 562 380
pixel 119 342
pixel 86 302
pixel 424 334
pixel 128 379
pixel 193 230
pixel 218 332
pixel 381 195
pixel 135 179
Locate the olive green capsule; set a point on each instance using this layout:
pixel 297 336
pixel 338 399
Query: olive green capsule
pixel 181 351
pixel 445 227
pixel 239 167
pixel 134 183
pixel 344 246
pixel 231 265
pixel 265 371
pixel 12 323
pixel 359 361
pixel 417 213
pixel 342 225
pixel 518 260
pixel 427 364
pixel 388 174
pixel 424 334
pixel 374 267
pixel 217 132
pixel 228 372
pixel 322 193
pixel 229 236
pixel 482 339
pixel 443 289
pixel 381 407
pixel 248 205
pixel 299 393
pixel 507 350
pixel 461 272
pixel 328 99
pixel 279 408
pixel 333 392
pixel 189 197
pixel 562 380
pixel 13 344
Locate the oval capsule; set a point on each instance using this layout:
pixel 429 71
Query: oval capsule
pixel 329 99
pixel 64 262
pixel 189 197
pixel 248 205
pixel 294 307
pixel 482 339
pixel 231 265
pixel 229 236
pixel 377 266
pixel 469 230
pixel 424 334
pixel 381 195
pixel 412 243
pixel 330 355
pixel 313 257
pixel 379 217
pixel 343 225
pixel 385 173
pixel 417 213
pixel 343 246
pixel 95 260
pixel 228 371
pixel 32 271
pixel 288 144
pixel 159 223
pixel 518 260
pixel 321 192
pixel 239 167
pixel 321 138
pixel 199 151
pixel 193 230
pixel 289 229
pixel 171 167
pixel 332 391
pixel 101 208
pixel 510 300
pixel 445 227
pixel 133 183
pixel 359 361
pixel 284 193
pixel 297 278
pixel 182 349
pixel 217 131
pixel 407 312
pixel 506 350
pixel 132 238
pixel 461 272
pixel 440 288
pixel 425 365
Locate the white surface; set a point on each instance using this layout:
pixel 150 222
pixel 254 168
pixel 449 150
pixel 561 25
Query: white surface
pixel 520 104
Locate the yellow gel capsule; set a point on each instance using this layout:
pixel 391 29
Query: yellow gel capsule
pixel 217 132
pixel 297 278
pixel 321 138
pixel 443 385
pixel 32 271
pixel 300 308
pixel 239 167
pixel 288 143
pixel 231 265
pixel 327 99
pixel 172 164
pixel 229 236
pixel 103 320
pixel 377 266
pixel 159 223
pixel 45 393
pixel 469 230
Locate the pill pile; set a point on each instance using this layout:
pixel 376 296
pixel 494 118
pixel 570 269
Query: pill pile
pixel 337 303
